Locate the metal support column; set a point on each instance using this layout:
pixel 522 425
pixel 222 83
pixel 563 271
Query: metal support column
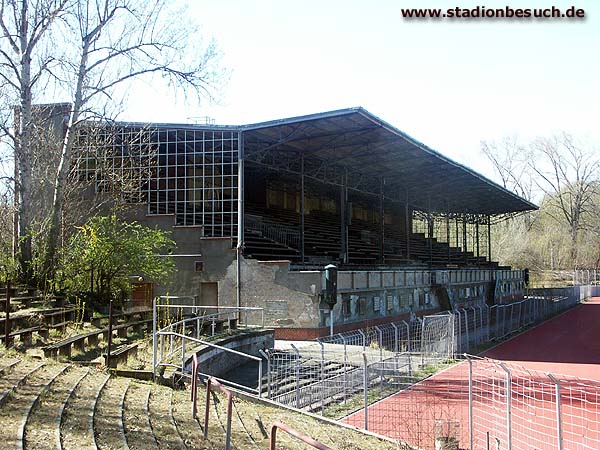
pixel 430 236
pixel 457 234
pixel 508 396
pixel 366 390
pixel 240 222
pixel 381 223
pixel 344 220
pixel 470 401
pixel 489 227
pixel 154 337
pixel 407 226
pixel 464 217
pixel 477 238
pixel 110 331
pixel 448 236
pixel 559 432
pixel 302 210
pixel 7 317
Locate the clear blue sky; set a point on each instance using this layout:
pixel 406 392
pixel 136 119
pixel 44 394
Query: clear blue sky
pixel 449 84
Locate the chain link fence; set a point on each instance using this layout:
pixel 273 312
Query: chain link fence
pixel 511 406
pixel 347 374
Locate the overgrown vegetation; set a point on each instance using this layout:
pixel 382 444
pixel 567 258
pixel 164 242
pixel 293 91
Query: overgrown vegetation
pixel 84 52
pixel 562 175
pixel 106 252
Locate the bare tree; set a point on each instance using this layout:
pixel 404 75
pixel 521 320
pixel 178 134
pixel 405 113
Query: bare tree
pixel 568 176
pixel 510 161
pixel 25 60
pixel 120 40
pixel 86 51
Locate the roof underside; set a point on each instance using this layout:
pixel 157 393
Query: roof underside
pixel 355 148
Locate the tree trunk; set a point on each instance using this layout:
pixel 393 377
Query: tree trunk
pixel 64 167
pixel 23 152
pixel 574 253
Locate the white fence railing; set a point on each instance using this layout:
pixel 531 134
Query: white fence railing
pixel 386 358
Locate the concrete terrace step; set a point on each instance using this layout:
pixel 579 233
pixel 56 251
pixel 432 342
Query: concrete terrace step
pixel 60 406
pixel 136 417
pixel 77 420
pixel 14 376
pixel 16 409
pixel 108 420
pixel 43 426
pixel 161 420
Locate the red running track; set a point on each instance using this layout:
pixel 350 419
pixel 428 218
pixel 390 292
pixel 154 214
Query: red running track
pixel 568 344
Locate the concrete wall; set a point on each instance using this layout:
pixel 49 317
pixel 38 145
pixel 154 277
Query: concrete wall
pixel 289 298
pixel 216 362
pixel 292 299
pixel 215 255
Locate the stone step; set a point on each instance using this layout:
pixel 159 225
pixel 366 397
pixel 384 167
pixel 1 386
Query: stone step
pixel 108 419
pixel 136 417
pixel 43 426
pixel 77 430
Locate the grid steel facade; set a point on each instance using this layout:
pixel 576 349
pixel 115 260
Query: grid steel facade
pixel 189 173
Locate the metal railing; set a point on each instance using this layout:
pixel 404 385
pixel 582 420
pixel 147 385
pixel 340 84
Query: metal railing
pixel 378 361
pixel 302 437
pixel 172 342
pixel 282 234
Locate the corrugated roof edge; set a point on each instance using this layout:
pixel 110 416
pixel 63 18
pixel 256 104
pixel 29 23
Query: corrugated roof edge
pixel 375 119
pixel 437 154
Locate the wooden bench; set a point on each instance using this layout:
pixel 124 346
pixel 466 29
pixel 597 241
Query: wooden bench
pixel 64 347
pixel 16 321
pixel 121 354
pixel 122 329
pixel 143 313
pixel 60 316
pixel 25 335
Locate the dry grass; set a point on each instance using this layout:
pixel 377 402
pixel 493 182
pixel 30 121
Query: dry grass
pixel 151 412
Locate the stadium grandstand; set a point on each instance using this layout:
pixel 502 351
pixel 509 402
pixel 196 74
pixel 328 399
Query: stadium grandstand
pixel 259 210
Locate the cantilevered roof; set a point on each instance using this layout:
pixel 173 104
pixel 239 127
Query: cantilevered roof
pixel 356 148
